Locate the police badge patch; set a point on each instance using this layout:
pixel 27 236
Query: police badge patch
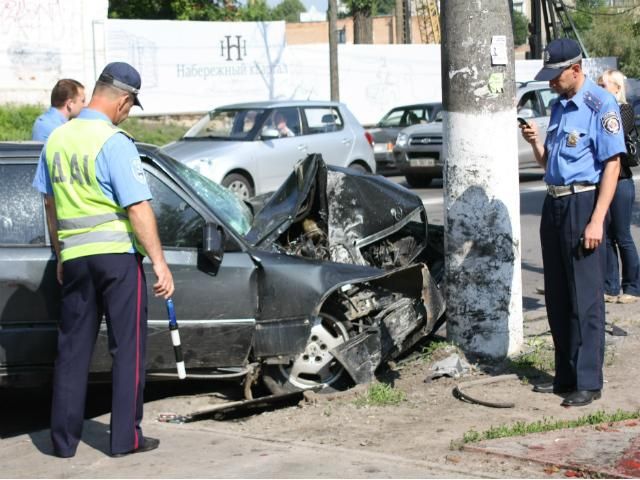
pixel 611 122
pixel 138 171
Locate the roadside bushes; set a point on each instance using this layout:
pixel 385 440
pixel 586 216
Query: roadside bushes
pixel 16 122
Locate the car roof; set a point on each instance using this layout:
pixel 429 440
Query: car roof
pixel 25 149
pixel 532 85
pixel 279 103
pixel 417 105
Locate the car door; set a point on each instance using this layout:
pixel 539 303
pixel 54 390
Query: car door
pixel 276 157
pixel 29 292
pixel 327 134
pixel 216 311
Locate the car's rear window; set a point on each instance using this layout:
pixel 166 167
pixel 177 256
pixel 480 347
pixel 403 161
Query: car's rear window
pixel 323 119
pixel 22 220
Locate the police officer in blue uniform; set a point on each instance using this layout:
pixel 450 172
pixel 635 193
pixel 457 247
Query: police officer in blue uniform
pixel 581 160
pixel 67 100
pixel 101 224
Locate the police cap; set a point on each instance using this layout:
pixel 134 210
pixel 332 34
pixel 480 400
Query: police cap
pixel 559 54
pixel 123 76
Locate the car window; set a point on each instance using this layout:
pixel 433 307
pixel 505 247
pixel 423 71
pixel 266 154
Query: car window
pixel 413 117
pixel 286 121
pixel 548 97
pixel 323 119
pixel 231 124
pixel 22 219
pixel 392 119
pixel 179 225
pixel 529 105
pixel 227 206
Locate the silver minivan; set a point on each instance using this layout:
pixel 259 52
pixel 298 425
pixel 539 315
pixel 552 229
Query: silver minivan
pixel 251 148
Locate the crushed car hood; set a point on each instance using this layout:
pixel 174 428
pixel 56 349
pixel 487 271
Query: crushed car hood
pixel 355 209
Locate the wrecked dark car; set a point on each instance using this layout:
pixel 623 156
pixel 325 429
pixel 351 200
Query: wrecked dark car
pixel 333 274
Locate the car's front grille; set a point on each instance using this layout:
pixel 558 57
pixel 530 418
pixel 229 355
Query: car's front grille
pixel 413 155
pixel 422 140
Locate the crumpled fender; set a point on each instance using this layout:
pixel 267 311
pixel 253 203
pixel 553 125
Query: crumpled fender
pixel 399 326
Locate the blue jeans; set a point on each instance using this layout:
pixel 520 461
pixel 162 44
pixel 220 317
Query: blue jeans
pixel 619 241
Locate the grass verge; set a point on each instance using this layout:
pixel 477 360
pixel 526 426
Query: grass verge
pixel 16 122
pixel 544 425
pixel 380 394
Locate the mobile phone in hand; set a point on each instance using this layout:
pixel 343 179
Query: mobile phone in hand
pixel 523 122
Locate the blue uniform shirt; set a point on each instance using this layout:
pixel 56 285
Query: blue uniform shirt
pixel 47 123
pixel 584 132
pixel 118 168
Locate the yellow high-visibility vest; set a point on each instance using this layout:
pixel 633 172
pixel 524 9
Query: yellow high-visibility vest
pixel 89 223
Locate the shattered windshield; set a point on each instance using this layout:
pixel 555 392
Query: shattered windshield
pixel 228 124
pixel 226 205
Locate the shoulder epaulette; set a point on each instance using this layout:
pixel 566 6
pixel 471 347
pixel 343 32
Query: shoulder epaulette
pixel 592 101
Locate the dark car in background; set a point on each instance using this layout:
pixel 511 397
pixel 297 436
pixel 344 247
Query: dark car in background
pixel 418 148
pixel 386 130
pixel 337 272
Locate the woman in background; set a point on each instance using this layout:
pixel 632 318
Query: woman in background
pixel 619 239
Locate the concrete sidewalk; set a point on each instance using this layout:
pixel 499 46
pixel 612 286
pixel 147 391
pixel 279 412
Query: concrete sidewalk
pixel 602 451
pixel 198 450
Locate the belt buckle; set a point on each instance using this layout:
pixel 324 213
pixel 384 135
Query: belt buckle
pixel 555 190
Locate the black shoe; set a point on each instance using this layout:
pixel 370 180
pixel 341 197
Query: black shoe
pixel 550 388
pixel 147 445
pixel 580 398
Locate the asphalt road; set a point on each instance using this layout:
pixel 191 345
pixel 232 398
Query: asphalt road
pixel 532 193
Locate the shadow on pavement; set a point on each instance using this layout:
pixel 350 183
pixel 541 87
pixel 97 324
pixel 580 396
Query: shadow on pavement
pixel 27 410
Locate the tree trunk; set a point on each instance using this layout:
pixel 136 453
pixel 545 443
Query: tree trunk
pixel 362 26
pixel 333 50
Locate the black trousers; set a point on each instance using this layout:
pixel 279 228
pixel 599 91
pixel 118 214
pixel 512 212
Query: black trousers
pixel 574 291
pixel 116 282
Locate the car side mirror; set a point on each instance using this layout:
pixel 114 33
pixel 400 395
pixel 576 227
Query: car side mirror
pixel 268 133
pixel 213 244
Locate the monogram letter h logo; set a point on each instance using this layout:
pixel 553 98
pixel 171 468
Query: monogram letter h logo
pixel 227 47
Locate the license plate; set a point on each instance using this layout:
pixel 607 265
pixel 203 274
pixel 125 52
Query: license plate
pixel 380 148
pixel 422 162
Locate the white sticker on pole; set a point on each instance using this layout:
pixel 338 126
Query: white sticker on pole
pixel 499 50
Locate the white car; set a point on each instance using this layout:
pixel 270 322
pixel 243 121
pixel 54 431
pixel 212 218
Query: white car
pixel 251 148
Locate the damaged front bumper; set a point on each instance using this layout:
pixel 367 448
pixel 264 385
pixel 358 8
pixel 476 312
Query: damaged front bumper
pixel 418 305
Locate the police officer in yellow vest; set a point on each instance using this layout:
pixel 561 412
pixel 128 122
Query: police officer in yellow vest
pixel 101 225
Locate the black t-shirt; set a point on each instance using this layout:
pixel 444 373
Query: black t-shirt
pixel 628 123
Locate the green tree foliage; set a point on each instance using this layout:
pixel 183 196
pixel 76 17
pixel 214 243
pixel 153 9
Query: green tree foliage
pixel 616 36
pixel 288 10
pixel 256 11
pixel 174 9
pixel 384 7
pixel 147 9
pixel 584 13
pixel 520 28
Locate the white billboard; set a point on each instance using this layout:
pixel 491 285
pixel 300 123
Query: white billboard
pixel 193 66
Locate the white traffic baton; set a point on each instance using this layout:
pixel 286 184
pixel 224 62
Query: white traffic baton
pixel 175 340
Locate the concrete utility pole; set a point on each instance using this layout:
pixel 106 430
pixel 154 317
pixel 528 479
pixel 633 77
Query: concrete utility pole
pixel 482 202
pixel 400 21
pixel 332 11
